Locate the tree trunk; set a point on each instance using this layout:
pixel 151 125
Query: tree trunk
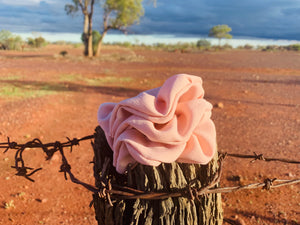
pixel 90 38
pixel 165 178
pixel 100 43
pixel 85 34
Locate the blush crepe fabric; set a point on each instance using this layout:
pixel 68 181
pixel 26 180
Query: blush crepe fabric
pixel 166 124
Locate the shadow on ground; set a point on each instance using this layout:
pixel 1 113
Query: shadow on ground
pixel 73 87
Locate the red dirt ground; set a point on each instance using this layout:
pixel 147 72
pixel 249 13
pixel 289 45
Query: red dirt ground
pixel 260 93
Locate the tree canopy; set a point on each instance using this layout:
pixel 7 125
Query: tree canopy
pixel 220 31
pixel 117 15
pixel 122 13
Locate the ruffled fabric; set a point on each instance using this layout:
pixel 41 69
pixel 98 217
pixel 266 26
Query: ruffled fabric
pixel 166 124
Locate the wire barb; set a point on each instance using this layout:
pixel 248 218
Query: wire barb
pixel 261 157
pixel 268 183
pixel 258 157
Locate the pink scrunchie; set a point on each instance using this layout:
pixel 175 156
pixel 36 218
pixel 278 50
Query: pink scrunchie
pixel 166 124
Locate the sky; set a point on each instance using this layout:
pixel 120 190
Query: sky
pixel 276 19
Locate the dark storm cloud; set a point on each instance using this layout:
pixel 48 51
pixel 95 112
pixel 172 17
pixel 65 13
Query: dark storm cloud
pixel 41 17
pixel 270 18
pixel 256 18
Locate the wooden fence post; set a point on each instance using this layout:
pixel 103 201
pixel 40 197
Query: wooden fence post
pixel 207 210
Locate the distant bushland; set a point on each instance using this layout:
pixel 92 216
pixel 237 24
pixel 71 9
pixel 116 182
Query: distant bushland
pixel 37 42
pixel 9 41
pixel 293 47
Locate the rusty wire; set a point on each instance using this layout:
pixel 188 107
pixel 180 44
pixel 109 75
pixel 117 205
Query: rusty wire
pixel 112 191
pixel 186 192
pixel 49 149
pixel 261 157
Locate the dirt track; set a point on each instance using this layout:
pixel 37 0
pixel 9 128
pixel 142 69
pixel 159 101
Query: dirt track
pixel 51 97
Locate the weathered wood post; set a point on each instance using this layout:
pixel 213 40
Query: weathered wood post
pixel 166 178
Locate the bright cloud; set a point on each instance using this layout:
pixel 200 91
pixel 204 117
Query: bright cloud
pixel 24 2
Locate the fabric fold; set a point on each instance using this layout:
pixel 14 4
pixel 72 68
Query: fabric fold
pixel 166 124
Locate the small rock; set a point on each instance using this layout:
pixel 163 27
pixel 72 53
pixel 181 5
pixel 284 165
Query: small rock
pixel 219 105
pixel 236 220
pixel 240 221
pixel 27 136
pixel 291 174
pixel 55 158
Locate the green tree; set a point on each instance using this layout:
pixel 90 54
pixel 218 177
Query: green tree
pixel 4 35
pixel 87 9
pixel 220 31
pixel 10 41
pixel 118 15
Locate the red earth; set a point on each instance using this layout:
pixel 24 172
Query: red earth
pixel 47 96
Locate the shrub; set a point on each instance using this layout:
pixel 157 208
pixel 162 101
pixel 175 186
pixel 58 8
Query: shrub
pixel 9 41
pixel 294 47
pixel 60 42
pixel 96 37
pixel 126 44
pixel 203 44
pixel 77 45
pixel 226 46
pixel 247 46
pixel 40 42
pixel 271 48
pixel 37 42
pixel 14 43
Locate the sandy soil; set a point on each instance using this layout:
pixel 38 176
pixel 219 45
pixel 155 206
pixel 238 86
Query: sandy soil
pixel 47 96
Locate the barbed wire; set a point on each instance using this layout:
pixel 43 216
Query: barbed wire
pixel 130 193
pixel 109 190
pixel 261 157
pixel 49 149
